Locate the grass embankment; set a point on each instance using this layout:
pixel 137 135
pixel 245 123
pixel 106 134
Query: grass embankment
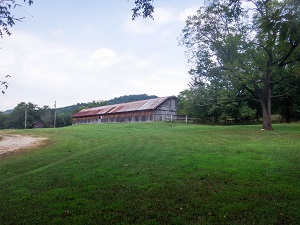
pixel 154 173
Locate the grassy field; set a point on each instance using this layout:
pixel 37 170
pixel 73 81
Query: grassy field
pixel 154 173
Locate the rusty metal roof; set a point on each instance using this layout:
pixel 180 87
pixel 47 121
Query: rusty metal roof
pixel 148 104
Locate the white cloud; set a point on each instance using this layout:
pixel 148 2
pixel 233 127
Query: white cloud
pixel 140 26
pixel 162 81
pixel 42 69
pixel 161 16
pixel 43 72
pixel 187 12
pixel 164 15
pixel 142 64
pixel 58 32
pixel 103 58
pixel 88 29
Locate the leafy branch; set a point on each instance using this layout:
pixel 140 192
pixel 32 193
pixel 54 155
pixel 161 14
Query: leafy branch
pixel 7 19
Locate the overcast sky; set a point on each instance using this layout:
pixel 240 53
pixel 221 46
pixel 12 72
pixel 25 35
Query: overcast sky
pixel 74 51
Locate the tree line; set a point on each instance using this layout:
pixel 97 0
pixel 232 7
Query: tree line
pixel 60 117
pixel 215 104
pixel 244 57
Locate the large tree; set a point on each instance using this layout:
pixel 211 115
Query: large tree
pixel 255 46
pixel 23 111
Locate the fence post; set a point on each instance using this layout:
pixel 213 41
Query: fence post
pixel 186 118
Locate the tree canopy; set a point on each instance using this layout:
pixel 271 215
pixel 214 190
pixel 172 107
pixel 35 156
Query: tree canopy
pixel 16 118
pixel 143 8
pixel 248 46
pixel 241 49
pixel 7 19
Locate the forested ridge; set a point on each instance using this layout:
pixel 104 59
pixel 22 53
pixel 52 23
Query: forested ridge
pixel 15 118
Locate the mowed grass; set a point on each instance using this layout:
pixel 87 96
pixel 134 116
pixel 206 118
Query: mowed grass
pixel 154 173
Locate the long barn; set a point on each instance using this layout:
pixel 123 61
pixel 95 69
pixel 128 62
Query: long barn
pixel 149 110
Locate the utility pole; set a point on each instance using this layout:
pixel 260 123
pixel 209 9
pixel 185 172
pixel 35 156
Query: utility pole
pixel 54 114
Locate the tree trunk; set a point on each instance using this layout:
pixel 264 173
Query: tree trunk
pixel 266 109
pixel 266 98
pixel 267 124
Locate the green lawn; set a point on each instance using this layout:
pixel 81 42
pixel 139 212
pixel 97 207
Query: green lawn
pixel 154 173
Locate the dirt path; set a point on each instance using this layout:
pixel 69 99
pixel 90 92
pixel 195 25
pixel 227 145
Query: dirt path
pixel 12 142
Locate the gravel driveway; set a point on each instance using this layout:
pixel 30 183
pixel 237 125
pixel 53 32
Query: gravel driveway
pixel 12 142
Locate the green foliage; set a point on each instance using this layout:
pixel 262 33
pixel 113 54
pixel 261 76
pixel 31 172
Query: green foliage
pixel 16 117
pixel 154 173
pixel 283 21
pixel 7 19
pixel 122 99
pixel 4 84
pixel 215 102
pixel 197 102
pixel 46 115
pixel 247 113
pixel 288 105
pixel 129 98
pixel 143 8
pixel 3 117
pixel 245 49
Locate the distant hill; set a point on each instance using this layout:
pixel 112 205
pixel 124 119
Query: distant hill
pixel 8 111
pixel 129 98
pixel 63 114
pixel 122 99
